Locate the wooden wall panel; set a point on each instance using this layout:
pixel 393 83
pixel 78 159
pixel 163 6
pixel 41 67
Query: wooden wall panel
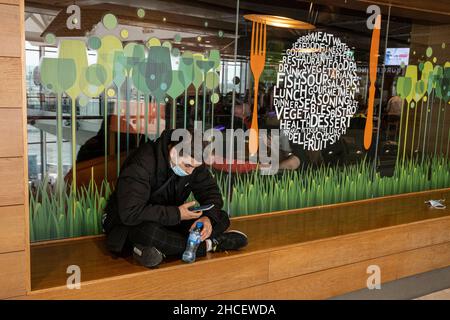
pixel 332 282
pixel 328 253
pixel 12 274
pixel 14 2
pixel 10 82
pixel 251 273
pixel 11 133
pixel 11 41
pixel 193 281
pixel 14 238
pixel 12 183
pixel 26 280
pixel 12 228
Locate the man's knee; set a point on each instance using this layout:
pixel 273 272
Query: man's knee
pixel 147 229
pixel 149 225
pixel 226 222
pixel 222 224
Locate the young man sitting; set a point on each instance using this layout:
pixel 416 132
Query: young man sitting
pixel 147 210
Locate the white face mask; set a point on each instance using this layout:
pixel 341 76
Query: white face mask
pixel 178 170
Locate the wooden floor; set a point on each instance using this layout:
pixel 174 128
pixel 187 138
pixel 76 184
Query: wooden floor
pixel 297 247
pixel 439 295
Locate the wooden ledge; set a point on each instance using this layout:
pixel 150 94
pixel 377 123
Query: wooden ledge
pixel 282 246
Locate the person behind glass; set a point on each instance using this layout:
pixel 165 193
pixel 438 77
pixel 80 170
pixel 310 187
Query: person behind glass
pixel 148 207
pixel 298 157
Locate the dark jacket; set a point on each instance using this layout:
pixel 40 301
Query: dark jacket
pixel 148 190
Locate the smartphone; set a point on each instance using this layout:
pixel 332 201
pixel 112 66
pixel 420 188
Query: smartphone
pixel 205 207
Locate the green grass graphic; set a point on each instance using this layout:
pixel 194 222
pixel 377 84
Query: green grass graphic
pixel 251 194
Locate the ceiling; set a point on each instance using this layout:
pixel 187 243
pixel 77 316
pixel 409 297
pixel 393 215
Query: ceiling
pixel 344 18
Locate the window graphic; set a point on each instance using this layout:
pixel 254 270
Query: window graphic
pixel 315 93
pixel 362 101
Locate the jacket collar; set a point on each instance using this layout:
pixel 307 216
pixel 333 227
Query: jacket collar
pixel 163 168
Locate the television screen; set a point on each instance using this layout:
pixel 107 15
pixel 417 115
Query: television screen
pixel 396 56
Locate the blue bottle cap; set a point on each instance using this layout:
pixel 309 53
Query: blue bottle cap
pixel 199 225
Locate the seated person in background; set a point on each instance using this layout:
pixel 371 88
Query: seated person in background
pixel 358 121
pixel 95 146
pixel 300 157
pixel 148 205
pixel 394 106
pixel 391 119
pixel 292 155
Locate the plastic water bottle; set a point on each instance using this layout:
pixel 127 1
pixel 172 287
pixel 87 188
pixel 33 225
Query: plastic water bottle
pixel 193 243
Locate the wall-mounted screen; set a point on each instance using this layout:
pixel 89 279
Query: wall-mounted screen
pixel 396 56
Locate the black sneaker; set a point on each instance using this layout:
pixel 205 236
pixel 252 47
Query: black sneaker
pixel 147 256
pixel 230 240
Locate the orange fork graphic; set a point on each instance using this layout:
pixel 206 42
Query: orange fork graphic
pixel 257 62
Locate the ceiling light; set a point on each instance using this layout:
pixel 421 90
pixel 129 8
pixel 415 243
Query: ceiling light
pixel 280 22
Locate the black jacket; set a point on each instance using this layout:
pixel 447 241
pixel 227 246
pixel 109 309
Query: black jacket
pixel 148 190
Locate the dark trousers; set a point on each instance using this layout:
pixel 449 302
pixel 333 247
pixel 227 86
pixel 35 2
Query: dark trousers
pixel 170 240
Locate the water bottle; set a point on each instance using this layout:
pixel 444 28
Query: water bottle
pixel 193 243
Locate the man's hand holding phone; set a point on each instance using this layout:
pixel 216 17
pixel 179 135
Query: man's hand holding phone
pixel 186 214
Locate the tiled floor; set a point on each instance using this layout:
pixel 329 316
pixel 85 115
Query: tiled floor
pixel 438 295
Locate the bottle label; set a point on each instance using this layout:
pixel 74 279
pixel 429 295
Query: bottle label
pixel 194 239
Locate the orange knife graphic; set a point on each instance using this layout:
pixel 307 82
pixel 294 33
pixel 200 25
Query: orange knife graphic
pixel 373 64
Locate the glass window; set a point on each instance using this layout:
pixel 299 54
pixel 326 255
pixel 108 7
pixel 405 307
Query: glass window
pixel 354 104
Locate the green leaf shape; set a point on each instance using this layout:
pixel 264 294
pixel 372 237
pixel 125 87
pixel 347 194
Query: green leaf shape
pixel 75 50
pixel 159 71
pixel 134 54
pixel 57 74
pixel 198 75
pixel 106 56
pixel 186 66
pixel 177 86
pixel 139 77
pixel 95 76
pixel 119 72
pixel 411 73
pixel 212 80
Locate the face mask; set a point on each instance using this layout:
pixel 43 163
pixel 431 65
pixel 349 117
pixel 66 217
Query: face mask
pixel 179 171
